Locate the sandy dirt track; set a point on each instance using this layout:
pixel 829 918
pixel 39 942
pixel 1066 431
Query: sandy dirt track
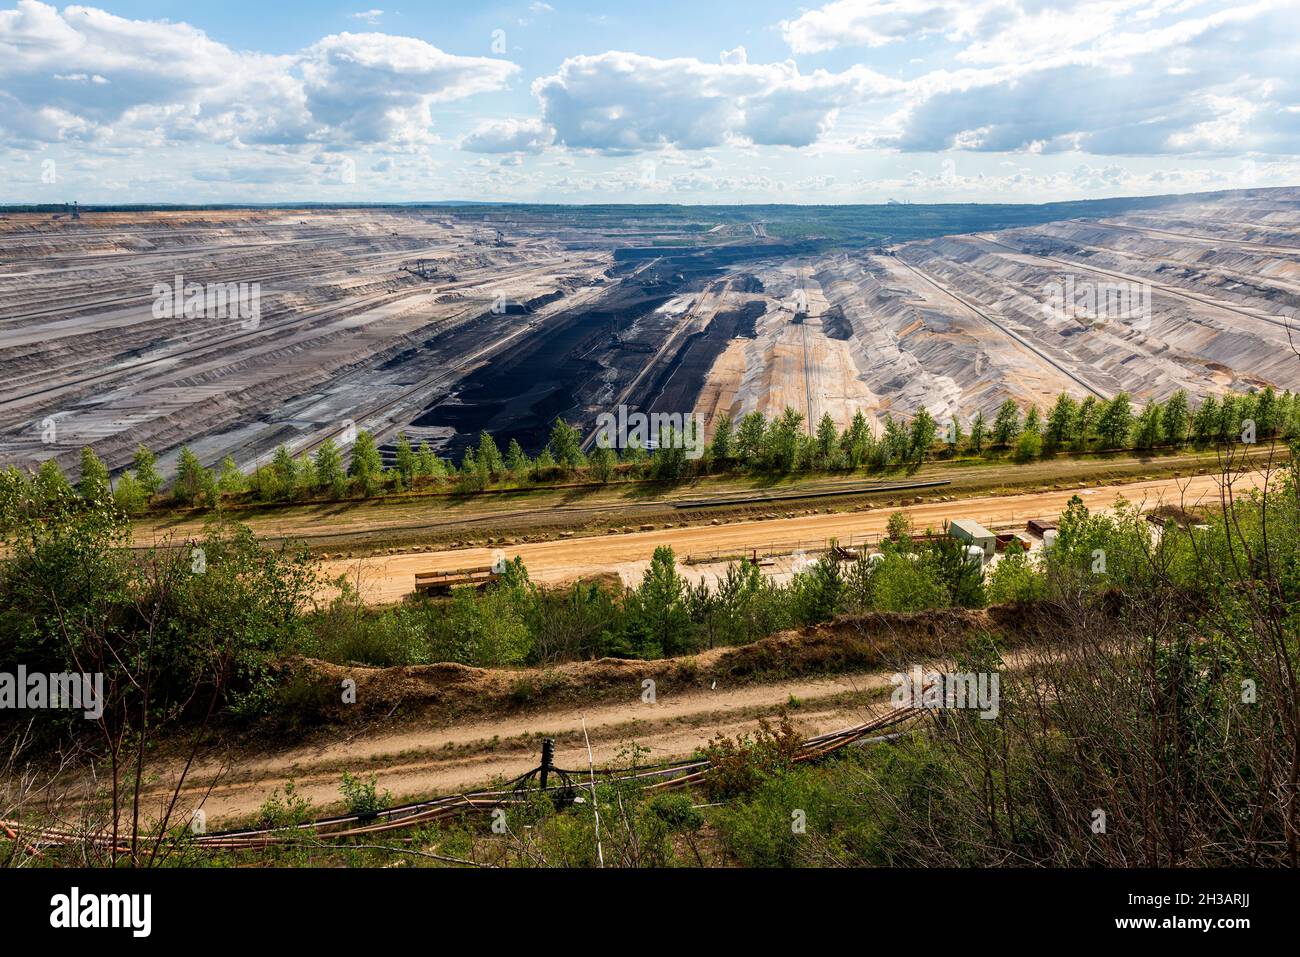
pixel 388 578
pixel 413 762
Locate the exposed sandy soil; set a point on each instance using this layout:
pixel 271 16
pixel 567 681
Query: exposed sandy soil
pixel 431 521
pixel 415 763
pixel 384 579
pixel 437 729
pixel 791 361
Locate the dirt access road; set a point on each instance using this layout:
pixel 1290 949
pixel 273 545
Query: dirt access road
pixel 415 762
pixel 384 579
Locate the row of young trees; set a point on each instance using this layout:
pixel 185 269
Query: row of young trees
pixel 754 443
pixel 1076 425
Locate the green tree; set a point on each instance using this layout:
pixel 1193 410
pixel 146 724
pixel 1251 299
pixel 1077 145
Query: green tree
pixel 51 486
pixel 720 449
pixel 1033 421
pixel 208 488
pixel 328 464
pixel 1266 413
pixel 1229 418
pixel 1115 422
pixel 602 461
pixel 1029 445
pixel 751 439
pixel 489 455
pixel 231 481
pixel 404 459
pixel 516 460
pixel 782 440
pixel 1014 578
pixel 819 590
pixel 977 433
pixel 961 578
pixel 669 459
pixel 1149 429
pixel 473 474
pixel 128 495
pixel 856 441
pixel 827 443
pixel 1205 423
pixel 94 485
pixel 428 464
pixel 1006 426
pixel 145 466
pixel 565 444
pixel 1175 418
pixel 285 471
pixel 1061 423
pixel 189 477
pixel 366 467
pixel 924 431
pixel 660 616
pixel 1085 423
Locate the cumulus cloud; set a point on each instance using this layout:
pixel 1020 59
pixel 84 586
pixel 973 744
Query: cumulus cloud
pixel 508 136
pixel 1102 76
pixel 158 79
pixel 1222 82
pixel 373 87
pixel 620 102
pixel 875 23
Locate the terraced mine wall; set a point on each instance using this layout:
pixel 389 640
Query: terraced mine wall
pixel 430 321
pixel 679 383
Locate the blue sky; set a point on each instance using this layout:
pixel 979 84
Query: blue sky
pixel 692 102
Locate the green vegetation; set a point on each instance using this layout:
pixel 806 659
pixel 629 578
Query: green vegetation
pixel 755 445
pixel 1164 695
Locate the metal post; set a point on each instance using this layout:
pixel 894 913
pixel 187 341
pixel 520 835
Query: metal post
pixel 548 759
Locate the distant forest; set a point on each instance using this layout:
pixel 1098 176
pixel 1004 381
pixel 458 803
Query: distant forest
pixel 838 223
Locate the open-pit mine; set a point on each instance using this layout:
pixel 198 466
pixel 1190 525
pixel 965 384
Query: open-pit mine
pixel 236 331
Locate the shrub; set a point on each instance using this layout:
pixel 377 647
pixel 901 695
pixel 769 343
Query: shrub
pixel 739 765
pixel 362 796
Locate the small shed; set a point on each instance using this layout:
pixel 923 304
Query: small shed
pixel 973 533
pixel 1037 526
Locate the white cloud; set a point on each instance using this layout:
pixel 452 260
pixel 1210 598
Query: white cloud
pixel 621 102
pixel 151 81
pixel 1109 77
pixel 508 136
pixel 371 87
pixel 875 23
